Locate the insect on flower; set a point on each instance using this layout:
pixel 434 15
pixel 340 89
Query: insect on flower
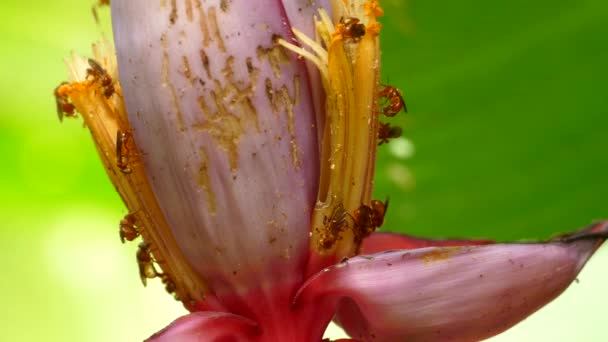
pixel 391 101
pixel 145 262
pixel 369 218
pixel 351 28
pixel 334 225
pixel 170 286
pixel 253 187
pixel 127 229
pixel 64 106
pixel 98 73
pixel 123 139
pixel 147 269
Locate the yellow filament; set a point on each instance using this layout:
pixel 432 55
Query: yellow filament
pixel 349 140
pixel 320 51
pixel 304 53
pixel 104 117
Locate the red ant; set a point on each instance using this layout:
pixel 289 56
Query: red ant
pixel 127 229
pixel 351 28
pixel 391 101
pixel 368 218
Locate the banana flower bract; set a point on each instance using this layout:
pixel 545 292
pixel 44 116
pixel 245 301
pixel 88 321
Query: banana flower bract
pixel 242 137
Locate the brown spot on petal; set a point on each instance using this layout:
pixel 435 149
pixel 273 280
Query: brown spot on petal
pixel 280 100
pixel 238 95
pixel 205 62
pixel 275 56
pixel 233 112
pixel 249 110
pixel 439 254
pixel 167 83
pixel 224 5
pixel 202 19
pixel 270 94
pixel 289 103
pixel 187 71
pixel 202 104
pixel 203 181
pixel 228 69
pixel 253 72
pixel 189 15
pixel 215 29
pixel 249 65
pixel 173 14
pixel 225 129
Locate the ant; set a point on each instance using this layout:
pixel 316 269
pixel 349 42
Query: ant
pixel 127 229
pixel 386 132
pixel 64 106
pixel 335 224
pixel 122 152
pixel 99 73
pixel 352 28
pixel 391 101
pixel 145 263
pixel 369 218
pixel 147 270
pixel 169 285
pixel 337 218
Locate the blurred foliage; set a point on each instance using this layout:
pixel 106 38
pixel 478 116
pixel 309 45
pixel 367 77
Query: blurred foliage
pixel 507 116
pixel 508 110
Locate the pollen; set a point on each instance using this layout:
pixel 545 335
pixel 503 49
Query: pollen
pixel 374 28
pixel 373 9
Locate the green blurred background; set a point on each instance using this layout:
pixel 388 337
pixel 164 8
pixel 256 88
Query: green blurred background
pixel 508 119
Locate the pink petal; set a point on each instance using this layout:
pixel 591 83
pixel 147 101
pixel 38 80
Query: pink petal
pixel 207 326
pixel 225 123
pixel 450 293
pixel 386 241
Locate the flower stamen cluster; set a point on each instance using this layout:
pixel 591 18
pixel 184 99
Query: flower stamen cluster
pixel 106 118
pixel 346 52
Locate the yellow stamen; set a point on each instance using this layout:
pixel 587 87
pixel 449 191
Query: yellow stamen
pixel 324 27
pixel 318 49
pixel 300 51
pixel 351 68
pixel 106 117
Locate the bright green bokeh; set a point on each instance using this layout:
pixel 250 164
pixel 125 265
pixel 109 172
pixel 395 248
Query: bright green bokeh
pixel 508 117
